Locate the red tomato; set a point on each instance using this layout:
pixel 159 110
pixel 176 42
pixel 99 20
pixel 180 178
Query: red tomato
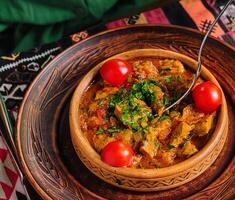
pixel 117 154
pixel 115 71
pixel 207 97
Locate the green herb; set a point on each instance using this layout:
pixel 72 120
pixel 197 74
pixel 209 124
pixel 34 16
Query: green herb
pixel 129 79
pixel 168 79
pixel 136 87
pixel 177 95
pixel 165 101
pixel 162 71
pixel 135 127
pixel 179 78
pixel 130 108
pixel 157 144
pixel 145 129
pixel 170 146
pixel 149 114
pixel 136 110
pixel 142 91
pixel 116 98
pixel 125 118
pixel 101 102
pixel 163 117
pixel 130 102
pixel 149 95
pixel 142 119
pixel 99 131
pixel 132 115
pixel 139 95
pixel 114 129
pixel 186 140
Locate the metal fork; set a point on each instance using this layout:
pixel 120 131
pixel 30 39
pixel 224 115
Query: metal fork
pixel 199 62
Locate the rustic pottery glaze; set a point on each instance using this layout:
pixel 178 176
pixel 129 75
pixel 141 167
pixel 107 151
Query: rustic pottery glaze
pixel 43 137
pixel 147 179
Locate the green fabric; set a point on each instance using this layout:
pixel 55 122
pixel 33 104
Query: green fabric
pixel 28 23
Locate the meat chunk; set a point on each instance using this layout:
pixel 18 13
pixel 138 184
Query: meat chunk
pixel 162 129
pixel 100 141
pixel 136 161
pixel 157 91
pixel 93 122
pixel 146 163
pixel 172 66
pixel 145 69
pixel 180 134
pixel 93 107
pixel 125 135
pixel 191 116
pixel 159 94
pixel 188 149
pixel 137 138
pixel 106 91
pixel 204 126
pixel 135 116
pixel 175 117
pixel 150 144
pixel 118 111
pixel 165 158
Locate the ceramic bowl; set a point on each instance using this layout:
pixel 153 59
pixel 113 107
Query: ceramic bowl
pixel 147 179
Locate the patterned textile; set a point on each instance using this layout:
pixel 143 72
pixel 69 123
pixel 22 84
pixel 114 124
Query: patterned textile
pixel 10 185
pixel 18 70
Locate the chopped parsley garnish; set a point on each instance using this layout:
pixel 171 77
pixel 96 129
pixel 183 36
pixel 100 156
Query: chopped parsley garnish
pixel 129 79
pixel 163 117
pixel 116 98
pixel 157 144
pixel 145 129
pixel 143 91
pixel 162 71
pixel 168 79
pixel 128 107
pixel 139 95
pixel 147 92
pixel 114 129
pixel 171 78
pixel 136 110
pixel 139 90
pixel 133 113
pixel 149 114
pixel 177 95
pixel 179 78
pixel 99 131
pixel 109 130
pixel 165 101
pixel 101 103
pixel 134 119
pixel 170 146
pixel 186 140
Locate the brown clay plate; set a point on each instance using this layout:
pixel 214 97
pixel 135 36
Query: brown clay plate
pixel 43 140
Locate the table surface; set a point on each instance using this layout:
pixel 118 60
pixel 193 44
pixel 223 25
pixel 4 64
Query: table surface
pixel 18 70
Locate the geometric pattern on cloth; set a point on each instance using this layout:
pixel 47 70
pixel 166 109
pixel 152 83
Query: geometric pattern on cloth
pixel 9 179
pixel 18 70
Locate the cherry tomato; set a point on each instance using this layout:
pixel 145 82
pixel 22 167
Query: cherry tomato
pixel 207 97
pixel 117 154
pixel 115 71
